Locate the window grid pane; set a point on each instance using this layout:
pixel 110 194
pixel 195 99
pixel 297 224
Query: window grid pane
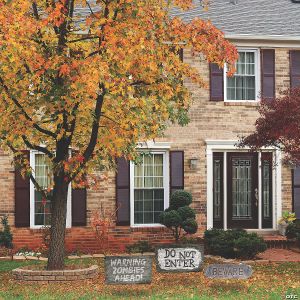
pixel 242 85
pixel 148 189
pixel 241 189
pixel 217 189
pixel 266 189
pixel 43 176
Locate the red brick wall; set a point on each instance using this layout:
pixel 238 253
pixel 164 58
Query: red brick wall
pixel 84 238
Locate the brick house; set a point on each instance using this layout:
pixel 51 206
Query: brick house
pixel 230 187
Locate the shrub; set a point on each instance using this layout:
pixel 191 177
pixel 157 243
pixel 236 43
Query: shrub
pixel 6 236
pixel 234 243
pixel 139 247
pixel 180 198
pixel 249 245
pixel 179 216
pixel 293 231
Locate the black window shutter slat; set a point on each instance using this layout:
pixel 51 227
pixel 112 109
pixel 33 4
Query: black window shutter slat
pixel 79 207
pixel 176 171
pixel 22 198
pixel 216 83
pixel 268 73
pixel 296 192
pixel 295 68
pixel 123 192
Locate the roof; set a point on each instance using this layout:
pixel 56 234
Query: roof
pixel 278 18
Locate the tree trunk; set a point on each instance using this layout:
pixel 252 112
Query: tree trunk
pixel 58 224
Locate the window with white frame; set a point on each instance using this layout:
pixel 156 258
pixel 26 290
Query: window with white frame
pixel 150 188
pixel 244 84
pixel 40 207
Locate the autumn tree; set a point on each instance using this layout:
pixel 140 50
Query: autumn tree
pixel 278 125
pixel 96 79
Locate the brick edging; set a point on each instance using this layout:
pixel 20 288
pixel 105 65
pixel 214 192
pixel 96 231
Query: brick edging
pixel 45 276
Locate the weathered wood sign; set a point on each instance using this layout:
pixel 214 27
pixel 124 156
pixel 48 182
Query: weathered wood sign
pixel 228 271
pixel 128 269
pixel 179 258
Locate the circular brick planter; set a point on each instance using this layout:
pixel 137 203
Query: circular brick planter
pixel 44 276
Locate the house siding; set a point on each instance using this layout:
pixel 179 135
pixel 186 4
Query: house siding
pixel 208 120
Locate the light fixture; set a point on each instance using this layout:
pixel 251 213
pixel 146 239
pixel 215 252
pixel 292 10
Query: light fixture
pixel 193 163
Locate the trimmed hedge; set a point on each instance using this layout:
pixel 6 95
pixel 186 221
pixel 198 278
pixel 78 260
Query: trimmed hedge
pixel 234 243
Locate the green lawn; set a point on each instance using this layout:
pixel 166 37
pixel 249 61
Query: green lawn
pixel 267 282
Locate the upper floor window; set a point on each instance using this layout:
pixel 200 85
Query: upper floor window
pixel 244 84
pixel 150 192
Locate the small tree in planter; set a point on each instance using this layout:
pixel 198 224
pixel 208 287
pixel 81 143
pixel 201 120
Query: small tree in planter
pixel 179 216
pixel 286 219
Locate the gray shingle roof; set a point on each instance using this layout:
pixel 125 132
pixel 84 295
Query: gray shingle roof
pixel 249 17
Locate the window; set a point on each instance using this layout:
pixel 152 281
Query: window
pixel 40 208
pixel 43 176
pixel 150 188
pixel 243 85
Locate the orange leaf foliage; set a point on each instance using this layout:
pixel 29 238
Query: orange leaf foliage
pixel 98 82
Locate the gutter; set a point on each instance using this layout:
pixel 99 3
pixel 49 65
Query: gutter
pixel 263 37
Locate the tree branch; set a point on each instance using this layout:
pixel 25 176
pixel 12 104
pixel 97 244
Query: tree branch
pixel 83 39
pixel 37 148
pixel 95 127
pixel 16 102
pixel 31 177
pixel 35 10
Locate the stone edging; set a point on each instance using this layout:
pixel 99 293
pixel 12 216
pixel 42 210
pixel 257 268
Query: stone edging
pixel 44 276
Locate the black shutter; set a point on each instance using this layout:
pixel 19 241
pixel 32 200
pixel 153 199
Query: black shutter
pixel 295 68
pixel 123 192
pixel 22 198
pixel 268 73
pixel 79 207
pixel 296 192
pixel 216 83
pixel 176 171
pixel 180 53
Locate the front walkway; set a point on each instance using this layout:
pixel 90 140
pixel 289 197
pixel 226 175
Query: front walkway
pixel 285 255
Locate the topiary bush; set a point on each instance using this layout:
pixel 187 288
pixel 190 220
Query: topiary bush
pixel 234 243
pixel 179 216
pixel 179 199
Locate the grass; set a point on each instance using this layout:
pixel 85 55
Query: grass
pixel 273 281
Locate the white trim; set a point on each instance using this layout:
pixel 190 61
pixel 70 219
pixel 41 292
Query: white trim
pixel 209 187
pixel 225 190
pixel 154 145
pixel 278 189
pixel 256 51
pixel 259 169
pixel 69 202
pixel 228 146
pixel 166 176
pixel 262 37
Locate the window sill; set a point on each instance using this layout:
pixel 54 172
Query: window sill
pixel 242 103
pixel 153 228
